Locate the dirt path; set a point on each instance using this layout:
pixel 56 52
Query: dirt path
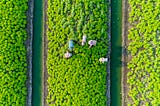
pixel 108 94
pixel 44 54
pixel 125 7
pixel 28 45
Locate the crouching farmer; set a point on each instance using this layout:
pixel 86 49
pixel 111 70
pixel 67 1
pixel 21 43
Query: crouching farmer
pixel 67 55
pixel 70 45
pixel 102 60
pixel 92 43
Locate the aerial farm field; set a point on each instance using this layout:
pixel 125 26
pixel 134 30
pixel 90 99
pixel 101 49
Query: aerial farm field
pixel 80 53
pixel 81 79
pixel 143 53
pixel 13 53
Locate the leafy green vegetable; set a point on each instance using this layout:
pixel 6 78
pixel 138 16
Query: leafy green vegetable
pixel 144 46
pixel 81 79
pixel 13 52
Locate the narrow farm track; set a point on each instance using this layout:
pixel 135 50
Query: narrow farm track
pixel 44 56
pixel 124 51
pixel 116 48
pixel 29 51
pixel 37 52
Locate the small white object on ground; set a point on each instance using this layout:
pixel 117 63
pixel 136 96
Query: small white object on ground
pixel 84 40
pixel 67 55
pixel 103 59
pixel 92 43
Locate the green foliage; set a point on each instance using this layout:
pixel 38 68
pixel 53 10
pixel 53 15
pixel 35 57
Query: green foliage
pixel 144 46
pixel 13 52
pixel 80 80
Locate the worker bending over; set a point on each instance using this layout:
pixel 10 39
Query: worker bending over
pixel 92 43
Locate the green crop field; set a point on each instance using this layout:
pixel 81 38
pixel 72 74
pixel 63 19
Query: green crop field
pixel 54 37
pixel 144 47
pixel 81 79
pixel 13 52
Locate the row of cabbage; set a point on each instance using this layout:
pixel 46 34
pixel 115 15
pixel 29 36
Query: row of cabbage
pixel 144 47
pixel 13 52
pixel 81 79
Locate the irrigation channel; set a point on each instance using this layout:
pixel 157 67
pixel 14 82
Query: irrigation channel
pixel 116 39
pixel 37 52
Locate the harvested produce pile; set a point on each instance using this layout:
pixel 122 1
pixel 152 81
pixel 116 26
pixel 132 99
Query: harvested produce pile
pixel 13 52
pixel 81 79
pixel 144 46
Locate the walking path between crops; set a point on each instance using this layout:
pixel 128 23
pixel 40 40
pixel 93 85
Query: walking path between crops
pixel 125 57
pixel 44 54
pixel 29 52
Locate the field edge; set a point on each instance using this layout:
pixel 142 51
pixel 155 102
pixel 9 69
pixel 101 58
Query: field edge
pixel 124 51
pixel 108 94
pixel 44 54
pixel 28 45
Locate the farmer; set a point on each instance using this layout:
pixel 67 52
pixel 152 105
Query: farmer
pixel 67 55
pixel 103 59
pixel 84 40
pixel 70 45
pixel 92 43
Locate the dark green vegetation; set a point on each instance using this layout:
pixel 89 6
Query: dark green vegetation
pixel 13 66
pixel 80 80
pixel 116 40
pixel 37 52
pixel 144 47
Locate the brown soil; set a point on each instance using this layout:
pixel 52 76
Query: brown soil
pixel 125 55
pixel 44 59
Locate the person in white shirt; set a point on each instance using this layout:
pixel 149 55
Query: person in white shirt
pixel 102 60
pixel 84 40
